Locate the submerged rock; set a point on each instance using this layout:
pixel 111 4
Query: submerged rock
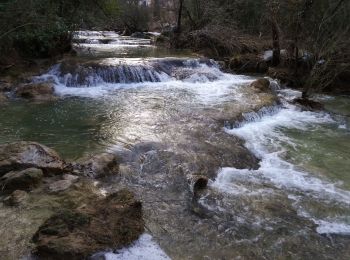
pixel 110 223
pixel 5 86
pixel 100 165
pixel 60 185
pixel 3 97
pixel 36 91
pixel 22 155
pixel 24 180
pixel 16 198
pixel 261 85
pixel 308 104
pixel 197 182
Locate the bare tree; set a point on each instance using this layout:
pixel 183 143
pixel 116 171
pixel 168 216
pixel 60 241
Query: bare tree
pixel 273 8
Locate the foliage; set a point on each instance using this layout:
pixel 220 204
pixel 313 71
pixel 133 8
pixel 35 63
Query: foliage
pixel 40 28
pixel 134 15
pixel 315 33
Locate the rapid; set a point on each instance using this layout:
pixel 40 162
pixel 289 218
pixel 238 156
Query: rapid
pixel 278 176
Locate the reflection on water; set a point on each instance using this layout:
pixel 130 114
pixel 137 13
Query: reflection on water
pixel 173 126
pixel 71 126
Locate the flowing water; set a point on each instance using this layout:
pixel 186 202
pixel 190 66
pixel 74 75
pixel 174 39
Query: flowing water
pixel 279 183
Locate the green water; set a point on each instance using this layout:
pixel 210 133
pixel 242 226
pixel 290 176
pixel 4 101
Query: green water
pixel 72 126
pixel 324 149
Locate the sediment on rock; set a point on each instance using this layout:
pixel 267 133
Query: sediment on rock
pixel 23 180
pixel 36 91
pixel 70 217
pixel 98 166
pixel 23 155
pixel 110 223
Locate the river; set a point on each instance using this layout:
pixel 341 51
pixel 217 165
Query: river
pixel 279 181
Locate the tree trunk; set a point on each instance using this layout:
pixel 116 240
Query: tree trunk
pixel 296 55
pixel 179 16
pixel 276 56
pixel 156 10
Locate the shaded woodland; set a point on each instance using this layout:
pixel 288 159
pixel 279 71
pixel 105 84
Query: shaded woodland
pixel 309 39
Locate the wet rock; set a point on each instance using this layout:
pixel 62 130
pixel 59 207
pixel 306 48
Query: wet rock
pixel 16 198
pixel 22 155
pixel 140 35
pixel 110 223
pixel 3 97
pixel 36 91
pixel 24 180
pixel 284 75
pixel 261 85
pixel 197 182
pixel 60 185
pixel 100 165
pixel 70 177
pixel 248 63
pixel 5 87
pixel 308 104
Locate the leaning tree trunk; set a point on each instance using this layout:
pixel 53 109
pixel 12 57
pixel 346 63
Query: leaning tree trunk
pixel 179 17
pixel 276 56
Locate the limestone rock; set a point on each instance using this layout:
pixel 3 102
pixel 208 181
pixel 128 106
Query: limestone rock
pixel 248 63
pixel 22 155
pixel 100 165
pixel 23 180
pixel 70 177
pixel 308 104
pixel 36 91
pixel 109 223
pixel 3 97
pixel 16 198
pixel 261 85
pixel 5 86
pixel 60 185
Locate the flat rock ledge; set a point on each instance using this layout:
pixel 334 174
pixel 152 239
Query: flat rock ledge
pixel 69 215
pixel 110 223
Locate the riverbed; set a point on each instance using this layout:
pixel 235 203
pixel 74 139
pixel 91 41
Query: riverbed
pixel 279 181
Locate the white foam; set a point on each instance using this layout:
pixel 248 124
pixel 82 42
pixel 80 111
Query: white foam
pixel 264 138
pixel 207 84
pixel 327 227
pixel 143 249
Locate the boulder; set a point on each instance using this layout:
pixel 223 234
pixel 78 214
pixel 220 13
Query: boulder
pixel 109 223
pixel 60 185
pixel 140 35
pixel 261 85
pixel 36 91
pixel 285 76
pixel 308 104
pixel 3 97
pixel 5 86
pixel 23 155
pixel 197 182
pixel 17 197
pixel 70 177
pixel 21 180
pixel 248 63
pixel 100 165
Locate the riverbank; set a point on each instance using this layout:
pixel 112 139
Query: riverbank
pixel 251 54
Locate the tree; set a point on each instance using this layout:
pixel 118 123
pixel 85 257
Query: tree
pixel 273 8
pixel 179 16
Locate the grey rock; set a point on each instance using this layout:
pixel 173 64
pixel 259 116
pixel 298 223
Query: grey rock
pixel 21 180
pixel 22 155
